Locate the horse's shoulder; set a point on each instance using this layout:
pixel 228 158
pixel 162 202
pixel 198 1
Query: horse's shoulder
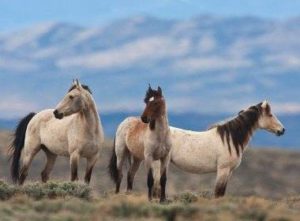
pixel 137 126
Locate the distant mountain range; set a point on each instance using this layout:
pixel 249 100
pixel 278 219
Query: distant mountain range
pixel 197 122
pixel 206 64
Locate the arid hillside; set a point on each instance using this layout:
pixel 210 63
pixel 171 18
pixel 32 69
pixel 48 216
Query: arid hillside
pixel 271 173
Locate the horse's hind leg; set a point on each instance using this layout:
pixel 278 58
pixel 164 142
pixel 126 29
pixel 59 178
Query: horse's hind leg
pixel 223 175
pixel 89 168
pixel 131 173
pixel 30 150
pixel 74 161
pixel 49 164
pixel 121 153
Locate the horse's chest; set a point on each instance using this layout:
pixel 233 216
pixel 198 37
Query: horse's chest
pixel 161 150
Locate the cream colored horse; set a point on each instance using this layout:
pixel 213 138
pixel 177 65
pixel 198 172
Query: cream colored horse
pixel 72 129
pixel 146 138
pixel 220 148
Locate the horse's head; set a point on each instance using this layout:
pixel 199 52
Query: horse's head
pixel 73 102
pixel 155 105
pixel 269 121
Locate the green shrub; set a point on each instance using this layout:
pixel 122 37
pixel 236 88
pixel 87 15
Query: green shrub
pixel 46 190
pixel 34 190
pixel 6 191
pixel 169 212
pixel 186 197
pixel 57 189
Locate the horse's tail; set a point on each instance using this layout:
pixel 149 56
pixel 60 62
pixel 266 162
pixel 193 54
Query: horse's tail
pixel 112 167
pixel 17 146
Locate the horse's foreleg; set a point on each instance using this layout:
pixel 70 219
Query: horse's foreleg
pixel 163 177
pixel 131 173
pixel 156 175
pixel 74 161
pixel 89 168
pixel 223 175
pixel 49 165
pixel 150 180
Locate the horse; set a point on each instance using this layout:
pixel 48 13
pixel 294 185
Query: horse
pixel 72 129
pixel 145 138
pixel 220 148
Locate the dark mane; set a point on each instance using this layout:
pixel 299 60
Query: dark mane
pixel 150 93
pixel 85 87
pixel 240 129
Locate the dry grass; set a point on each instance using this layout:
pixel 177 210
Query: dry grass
pixel 135 206
pixel 265 187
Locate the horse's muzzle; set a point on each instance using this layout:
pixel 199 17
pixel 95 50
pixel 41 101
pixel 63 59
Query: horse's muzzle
pixel 58 115
pixel 145 119
pixel 280 132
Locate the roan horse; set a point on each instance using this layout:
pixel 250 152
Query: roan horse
pixel 72 129
pixel 220 148
pixel 146 138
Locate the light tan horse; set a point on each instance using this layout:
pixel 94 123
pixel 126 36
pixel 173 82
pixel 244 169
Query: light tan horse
pixel 146 138
pixel 220 148
pixel 72 129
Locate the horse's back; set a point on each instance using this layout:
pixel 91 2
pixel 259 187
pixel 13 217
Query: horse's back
pixel 131 134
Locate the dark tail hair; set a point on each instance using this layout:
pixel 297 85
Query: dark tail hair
pixel 17 146
pixel 112 167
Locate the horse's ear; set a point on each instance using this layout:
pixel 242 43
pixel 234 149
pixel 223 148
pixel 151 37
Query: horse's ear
pixel 77 83
pixel 159 91
pixel 265 105
pixel 149 88
pixel 241 111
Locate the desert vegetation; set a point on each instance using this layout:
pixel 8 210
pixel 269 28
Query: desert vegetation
pixel 265 187
pixel 76 201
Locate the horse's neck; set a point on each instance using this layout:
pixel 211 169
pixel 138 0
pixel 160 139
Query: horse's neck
pixel 161 126
pixel 249 138
pixel 91 116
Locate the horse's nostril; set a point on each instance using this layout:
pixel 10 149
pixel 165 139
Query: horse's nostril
pixel 57 114
pixel 144 119
pixel 280 132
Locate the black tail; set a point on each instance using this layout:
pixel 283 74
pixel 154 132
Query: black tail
pixel 17 146
pixel 113 170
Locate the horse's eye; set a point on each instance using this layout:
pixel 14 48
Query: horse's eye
pixel 270 115
pixel 71 97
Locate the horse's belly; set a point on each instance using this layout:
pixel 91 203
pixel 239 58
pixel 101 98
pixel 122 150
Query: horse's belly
pixel 194 160
pixel 193 166
pixel 57 148
pixel 56 144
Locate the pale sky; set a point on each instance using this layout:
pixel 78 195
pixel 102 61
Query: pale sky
pixel 15 14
